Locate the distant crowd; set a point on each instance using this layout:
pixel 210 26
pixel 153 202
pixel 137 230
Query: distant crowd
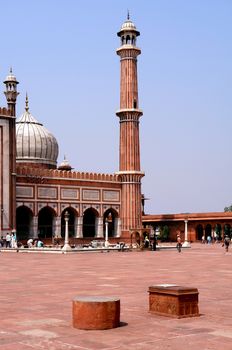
pixel 10 241
pixel 225 243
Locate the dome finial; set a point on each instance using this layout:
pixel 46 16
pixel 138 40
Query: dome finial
pixel 26 108
pixel 128 14
pixel 11 70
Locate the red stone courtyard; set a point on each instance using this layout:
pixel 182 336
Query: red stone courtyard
pixel 37 292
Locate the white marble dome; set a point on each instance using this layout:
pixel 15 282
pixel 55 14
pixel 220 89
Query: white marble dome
pixel 128 25
pixel 34 143
pixel 11 77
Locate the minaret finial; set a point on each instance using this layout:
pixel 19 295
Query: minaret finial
pixel 26 108
pixel 128 15
pixel 11 70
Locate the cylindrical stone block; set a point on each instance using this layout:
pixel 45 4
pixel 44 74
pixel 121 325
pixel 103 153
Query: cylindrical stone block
pixel 96 312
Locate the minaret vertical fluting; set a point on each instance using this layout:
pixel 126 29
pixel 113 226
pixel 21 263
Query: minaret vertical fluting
pixel 129 114
pixel 11 97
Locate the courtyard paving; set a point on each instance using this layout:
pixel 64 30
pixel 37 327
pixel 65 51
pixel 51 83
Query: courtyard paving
pixel 36 292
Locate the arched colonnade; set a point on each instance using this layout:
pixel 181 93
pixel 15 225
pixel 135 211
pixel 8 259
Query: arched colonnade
pixel 215 231
pixel 48 224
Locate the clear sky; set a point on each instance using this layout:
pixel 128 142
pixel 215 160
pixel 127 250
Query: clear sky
pixel 63 54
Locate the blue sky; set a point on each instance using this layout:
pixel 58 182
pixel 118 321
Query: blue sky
pixel 63 54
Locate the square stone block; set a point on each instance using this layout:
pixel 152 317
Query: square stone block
pixel 173 300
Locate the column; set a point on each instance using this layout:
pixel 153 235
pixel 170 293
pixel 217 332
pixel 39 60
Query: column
pixel 34 227
pixel 66 246
pixel 79 227
pixel 213 233
pixel 99 227
pixel 186 243
pixel 117 227
pixel 56 227
pixel 204 234
pixel 222 232
pixel 106 233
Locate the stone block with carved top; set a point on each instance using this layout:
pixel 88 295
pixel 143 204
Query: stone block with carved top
pixel 173 300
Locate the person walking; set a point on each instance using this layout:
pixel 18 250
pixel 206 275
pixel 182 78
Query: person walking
pixel 154 242
pixel 226 242
pixel 179 244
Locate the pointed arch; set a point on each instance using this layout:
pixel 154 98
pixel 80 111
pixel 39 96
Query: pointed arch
pixel 136 239
pixel 71 222
pixel 46 217
pixel 128 39
pixel 199 232
pixel 208 231
pixel 112 217
pixel 24 222
pixel 90 217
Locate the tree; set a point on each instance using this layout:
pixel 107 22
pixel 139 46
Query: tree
pixel 164 234
pixel 227 209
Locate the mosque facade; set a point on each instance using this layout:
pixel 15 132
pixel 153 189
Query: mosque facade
pixel 35 192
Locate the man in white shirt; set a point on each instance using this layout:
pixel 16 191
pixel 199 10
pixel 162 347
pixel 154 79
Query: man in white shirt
pixel 8 240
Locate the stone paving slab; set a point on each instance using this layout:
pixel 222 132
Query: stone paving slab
pixel 36 292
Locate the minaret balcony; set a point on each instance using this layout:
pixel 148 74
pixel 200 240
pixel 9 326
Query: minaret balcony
pixel 128 51
pixel 129 114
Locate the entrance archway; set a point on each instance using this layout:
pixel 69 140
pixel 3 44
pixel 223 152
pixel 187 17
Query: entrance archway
pixel 71 222
pixel 218 232
pixel 208 231
pixel 135 239
pixel 200 232
pixel 45 222
pixel 227 230
pixel 112 217
pixel 89 222
pixel 24 218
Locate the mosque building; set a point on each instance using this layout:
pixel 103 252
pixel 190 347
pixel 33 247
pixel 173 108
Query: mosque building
pixel 35 193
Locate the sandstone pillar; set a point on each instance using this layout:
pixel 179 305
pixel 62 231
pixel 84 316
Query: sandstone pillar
pixel 79 227
pixel 56 227
pixel 99 227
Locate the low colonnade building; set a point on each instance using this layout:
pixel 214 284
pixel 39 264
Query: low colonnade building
pixel 215 225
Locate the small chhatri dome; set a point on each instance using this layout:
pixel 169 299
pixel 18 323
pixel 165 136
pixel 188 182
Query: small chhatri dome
pixel 65 165
pixel 11 78
pixel 128 26
pixel 34 143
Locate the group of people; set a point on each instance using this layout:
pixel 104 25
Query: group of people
pixel 150 244
pixel 226 241
pixel 34 243
pixel 10 241
pixel 208 240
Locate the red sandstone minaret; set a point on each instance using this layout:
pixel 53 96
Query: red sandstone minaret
pixel 8 174
pixel 129 114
